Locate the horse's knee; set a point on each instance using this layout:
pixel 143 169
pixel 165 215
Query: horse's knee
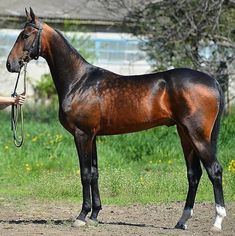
pixel 86 177
pixel 94 174
pixel 194 177
pixel 215 172
pixel 217 169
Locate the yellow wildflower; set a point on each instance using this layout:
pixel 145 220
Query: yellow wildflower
pixel 231 167
pixel 28 167
pixel 141 180
pixel 58 138
pixel 34 139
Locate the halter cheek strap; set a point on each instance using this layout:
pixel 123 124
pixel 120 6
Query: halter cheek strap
pixel 36 45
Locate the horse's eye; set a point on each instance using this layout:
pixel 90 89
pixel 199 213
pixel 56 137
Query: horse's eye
pixel 25 36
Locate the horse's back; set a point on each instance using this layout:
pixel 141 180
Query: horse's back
pixel 187 77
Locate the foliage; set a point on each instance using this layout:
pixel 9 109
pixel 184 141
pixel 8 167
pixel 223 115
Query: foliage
pixel 44 90
pixel 45 87
pixel 71 25
pixel 176 30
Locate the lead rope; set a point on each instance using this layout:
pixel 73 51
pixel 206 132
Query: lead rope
pixel 17 113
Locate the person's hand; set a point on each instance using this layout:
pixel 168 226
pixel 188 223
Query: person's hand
pixel 19 99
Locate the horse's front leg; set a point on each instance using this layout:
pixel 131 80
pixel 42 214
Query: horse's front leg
pixel 83 143
pixel 96 203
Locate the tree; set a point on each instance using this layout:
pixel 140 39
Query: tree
pixel 183 33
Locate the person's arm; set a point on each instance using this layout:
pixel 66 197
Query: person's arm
pixel 7 101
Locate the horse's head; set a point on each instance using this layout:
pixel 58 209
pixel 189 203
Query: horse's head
pixel 27 45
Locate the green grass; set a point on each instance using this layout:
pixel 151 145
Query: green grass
pixel 145 167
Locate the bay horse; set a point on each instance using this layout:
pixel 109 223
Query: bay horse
pixel 94 101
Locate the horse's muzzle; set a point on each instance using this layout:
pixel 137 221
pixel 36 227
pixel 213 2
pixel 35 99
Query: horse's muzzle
pixel 13 66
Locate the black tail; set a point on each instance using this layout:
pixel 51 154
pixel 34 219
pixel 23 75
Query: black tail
pixel 216 128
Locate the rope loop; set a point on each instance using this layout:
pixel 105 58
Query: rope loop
pixel 17 114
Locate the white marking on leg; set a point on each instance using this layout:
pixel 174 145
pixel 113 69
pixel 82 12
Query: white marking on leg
pixel 187 213
pixel 78 223
pixel 220 214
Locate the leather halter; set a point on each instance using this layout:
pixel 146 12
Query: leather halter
pixel 36 45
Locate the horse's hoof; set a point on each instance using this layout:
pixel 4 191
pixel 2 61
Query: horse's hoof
pixel 181 226
pixel 215 229
pixel 78 223
pixel 93 223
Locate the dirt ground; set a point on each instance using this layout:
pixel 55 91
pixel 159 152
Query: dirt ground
pixel 41 218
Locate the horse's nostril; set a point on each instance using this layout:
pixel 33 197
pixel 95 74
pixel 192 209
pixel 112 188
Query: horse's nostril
pixel 21 62
pixel 8 66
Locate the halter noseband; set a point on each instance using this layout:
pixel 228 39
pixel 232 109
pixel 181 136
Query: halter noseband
pixel 36 45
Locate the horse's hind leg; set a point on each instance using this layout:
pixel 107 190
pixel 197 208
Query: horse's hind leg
pixel 214 171
pixel 207 154
pixel 194 173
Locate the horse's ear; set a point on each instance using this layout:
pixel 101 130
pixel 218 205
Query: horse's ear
pixel 32 14
pixel 27 15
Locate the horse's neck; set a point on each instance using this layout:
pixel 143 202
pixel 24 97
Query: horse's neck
pixel 65 64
